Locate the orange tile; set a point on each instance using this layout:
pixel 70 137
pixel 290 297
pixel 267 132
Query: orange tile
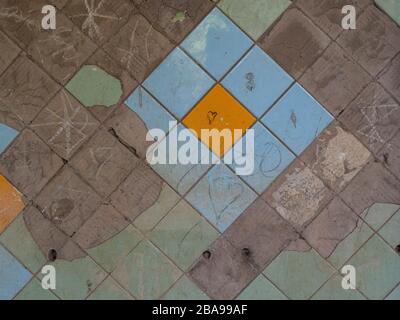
pixel 219 110
pixel 11 203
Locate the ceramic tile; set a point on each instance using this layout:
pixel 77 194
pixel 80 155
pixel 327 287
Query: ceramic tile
pixel 261 289
pixel 34 291
pixel 332 290
pixel 109 289
pixel 185 289
pixel 394 295
pixel 390 231
pixel 7 135
pixel 391 7
pixel 378 214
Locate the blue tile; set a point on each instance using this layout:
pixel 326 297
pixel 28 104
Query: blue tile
pixel 7 135
pixel 271 157
pixel 220 196
pixel 13 276
pixel 297 119
pixel 149 110
pixel 178 83
pixel 257 81
pixel 217 44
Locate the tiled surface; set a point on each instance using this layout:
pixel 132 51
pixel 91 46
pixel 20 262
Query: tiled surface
pixel 76 191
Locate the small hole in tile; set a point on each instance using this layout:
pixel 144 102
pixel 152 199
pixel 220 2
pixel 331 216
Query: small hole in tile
pixel 207 254
pixel 246 251
pixel 398 249
pixel 52 255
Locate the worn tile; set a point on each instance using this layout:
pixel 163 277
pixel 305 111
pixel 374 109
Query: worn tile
pixel 64 124
pixel 138 47
pixel 216 43
pixel 373 117
pixel 153 275
pixel 379 213
pixel 7 135
pixel 391 7
pixel 336 156
pixel 298 274
pixel 257 81
pixel 223 271
pixel 9 51
pixel 375 41
pixel 34 291
pixel 104 162
pixel 29 164
pixel 109 289
pixel 294 42
pixel 390 155
pixel 262 232
pixel 185 289
pixel 390 78
pixel 178 83
pixel 254 16
pixel 183 234
pixel 334 79
pixel 390 231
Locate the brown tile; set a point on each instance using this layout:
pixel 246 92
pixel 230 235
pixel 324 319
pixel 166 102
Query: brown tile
pixel 8 52
pixel 67 201
pixel 223 271
pixel 294 42
pixel 334 223
pixel 373 117
pixel 262 231
pixel 334 79
pixel 138 47
pixel 29 163
pixel 374 184
pixel 61 52
pixel 176 18
pixel 64 124
pixel 298 195
pixel 59 3
pixel 24 90
pixel 336 156
pixel 104 162
pixel 98 19
pixel 375 41
pixel 390 155
pixel 390 77
pixel 327 14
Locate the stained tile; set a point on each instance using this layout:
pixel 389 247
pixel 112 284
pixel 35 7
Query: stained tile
pixel 178 83
pixel 379 213
pixel 109 289
pixel 153 275
pixel 254 16
pixel 34 291
pixel 216 43
pixel 332 290
pixel 185 289
pixel 334 79
pixel 9 51
pixel 375 41
pixel 7 135
pixel 221 197
pixel 390 231
pixel 257 81
pixel 294 42
pixel 389 77
pixel 297 119
pixel 391 7
pixel 261 289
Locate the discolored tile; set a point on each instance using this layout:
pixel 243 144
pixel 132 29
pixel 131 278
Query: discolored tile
pixel 391 7
pixel 379 213
pixel 334 79
pixel 261 289
pixel 109 289
pixel 9 51
pixel 7 136
pixel 390 78
pixel 390 155
pixel 185 289
pixel 294 42
pixel 333 290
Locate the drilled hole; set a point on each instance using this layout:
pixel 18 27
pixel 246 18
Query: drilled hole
pixel 52 255
pixel 246 251
pixel 207 254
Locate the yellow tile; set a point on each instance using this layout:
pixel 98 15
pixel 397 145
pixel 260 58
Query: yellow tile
pixel 219 110
pixel 11 203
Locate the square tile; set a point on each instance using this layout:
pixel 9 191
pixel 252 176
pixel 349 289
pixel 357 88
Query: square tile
pixel 390 78
pixel 375 41
pixel 7 135
pixel 64 124
pixel 153 275
pixel 34 291
pixel 254 16
pixel 219 110
pixel 271 158
pixel 216 43
pixel 257 81
pixel 185 289
pixel 297 119
pixel 220 196
pixel 394 295
pixel 390 231
pixel 332 290
pixel 334 79
pixel 13 276
pixel 391 7
pixel 294 42
pixel 9 51
pixel 183 235
pixel 261 289
pixel 178 83
pixel 390 155
pixel 109 289
pixel 378 214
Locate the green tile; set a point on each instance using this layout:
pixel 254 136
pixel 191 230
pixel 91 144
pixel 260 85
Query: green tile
pixel 261 289
pixel 378 214
pixel 377 267
pixel 109 289
pixel 184 289
pixel 391 230
pixel 391 7
pixel 332 290
pixel 298 274
pixel 183 235
pixel 394 295
pixel 113 251
pixel 146 273
pixel 34 291
pixel 254 16
pixel 19 241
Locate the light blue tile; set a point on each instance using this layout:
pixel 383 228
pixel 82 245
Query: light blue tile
pixel 257 81
pixel 7 135
pixel 149 110
pixel 297 119
pixel 221 196
pixel 13 276
pixel 271 157
pixel 394 295
pixel 217 44
pixel 178 83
